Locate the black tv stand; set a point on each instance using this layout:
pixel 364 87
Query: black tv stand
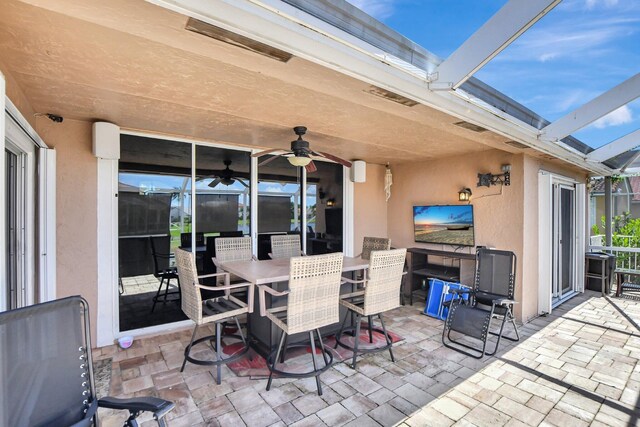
pixel 421 268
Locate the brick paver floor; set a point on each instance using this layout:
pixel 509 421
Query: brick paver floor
pixel 577 367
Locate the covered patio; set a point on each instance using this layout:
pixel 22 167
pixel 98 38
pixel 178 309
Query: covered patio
pixel 578 367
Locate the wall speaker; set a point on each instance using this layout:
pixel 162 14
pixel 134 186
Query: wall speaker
pixel 358 171
pixel 106 140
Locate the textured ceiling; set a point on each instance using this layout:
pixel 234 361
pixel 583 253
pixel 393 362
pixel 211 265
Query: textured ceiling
pixel 134 64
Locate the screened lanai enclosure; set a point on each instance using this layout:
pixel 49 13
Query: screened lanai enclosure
pixel 175 194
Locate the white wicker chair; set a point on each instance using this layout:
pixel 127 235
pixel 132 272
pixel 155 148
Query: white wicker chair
pixel 374 244
pixel 232 249
pixel 285 246
pixel 215 310
pixel 312 302
pixel 381 293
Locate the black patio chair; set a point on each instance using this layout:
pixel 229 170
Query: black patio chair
pixel 163 271
pixel 46 370
pixel 492 297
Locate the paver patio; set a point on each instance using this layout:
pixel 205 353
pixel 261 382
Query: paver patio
pixel 577 367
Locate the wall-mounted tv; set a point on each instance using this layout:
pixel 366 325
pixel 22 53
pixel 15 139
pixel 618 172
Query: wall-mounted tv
pixel 444 224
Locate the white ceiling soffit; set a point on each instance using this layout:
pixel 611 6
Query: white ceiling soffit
pixel 615 148
pixel 285 27
pixel 598 107
pixel 513 19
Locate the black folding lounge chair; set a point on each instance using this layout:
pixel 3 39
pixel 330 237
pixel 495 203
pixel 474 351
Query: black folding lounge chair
pixel 46 371
pixel 490 298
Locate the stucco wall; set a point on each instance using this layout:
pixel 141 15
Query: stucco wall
pixel 16 95
pixel 75 198
pixel 370 207
pixel 498 211
pixel 76 211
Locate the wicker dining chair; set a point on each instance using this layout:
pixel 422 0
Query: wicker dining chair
pixel 285 246
pixel 215 310
pixel 374 244
pixel 381 293
pixel 230 249
pixel 312 302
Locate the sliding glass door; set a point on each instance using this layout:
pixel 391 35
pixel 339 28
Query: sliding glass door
pixel 175 194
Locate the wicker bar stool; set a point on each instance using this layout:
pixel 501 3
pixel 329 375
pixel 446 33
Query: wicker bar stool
pixel 381 293
pixel 374 244
pixel 230 249
pixel 312 302
pixel 285 246
pixel 215 310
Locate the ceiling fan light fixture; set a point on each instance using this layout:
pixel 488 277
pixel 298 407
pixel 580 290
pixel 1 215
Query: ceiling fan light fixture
pixel 299 161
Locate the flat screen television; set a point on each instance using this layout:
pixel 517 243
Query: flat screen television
pixel 444 224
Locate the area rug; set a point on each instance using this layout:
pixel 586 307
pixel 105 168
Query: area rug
pixel 298 359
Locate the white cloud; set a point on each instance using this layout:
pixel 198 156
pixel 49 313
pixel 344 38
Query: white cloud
pixel 591 4
pixel 617 117
pixel 379 9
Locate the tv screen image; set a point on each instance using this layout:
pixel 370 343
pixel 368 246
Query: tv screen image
pixel 446 224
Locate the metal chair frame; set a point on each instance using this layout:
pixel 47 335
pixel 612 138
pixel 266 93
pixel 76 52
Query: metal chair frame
pixel 499 307
pixel 159 407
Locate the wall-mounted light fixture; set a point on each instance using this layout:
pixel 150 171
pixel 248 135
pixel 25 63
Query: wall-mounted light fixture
pixel 489 179
pixel 331 203
pixel 464 195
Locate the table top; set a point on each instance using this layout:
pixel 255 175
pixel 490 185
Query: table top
pixel 277 270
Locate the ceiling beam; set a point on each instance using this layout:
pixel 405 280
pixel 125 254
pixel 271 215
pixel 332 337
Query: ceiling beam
pixel 513 19
pixel 615 148
pixel 598 107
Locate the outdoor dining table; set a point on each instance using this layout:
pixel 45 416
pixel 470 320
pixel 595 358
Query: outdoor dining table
pixel 275 273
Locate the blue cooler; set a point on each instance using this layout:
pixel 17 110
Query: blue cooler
pixel 439 298
pixel 433 307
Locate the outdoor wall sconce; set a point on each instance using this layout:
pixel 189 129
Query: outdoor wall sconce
pixel 331 203
pixel 464 195
pixel 489 179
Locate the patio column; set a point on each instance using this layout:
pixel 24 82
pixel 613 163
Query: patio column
pixel 607 211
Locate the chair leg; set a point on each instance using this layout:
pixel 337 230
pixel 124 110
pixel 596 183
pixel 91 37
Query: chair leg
pixel 387 337
pixel 283 353
pixel 346 315
pixel 275 359
pixel 356 341
pixel 193 336
pixel 370 329
pixel 155 299
pixel 244 341
pixel 219 351
pixel 324 354
pixel 313 358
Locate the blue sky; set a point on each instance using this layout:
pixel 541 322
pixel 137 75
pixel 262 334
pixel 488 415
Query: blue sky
pixel 577 51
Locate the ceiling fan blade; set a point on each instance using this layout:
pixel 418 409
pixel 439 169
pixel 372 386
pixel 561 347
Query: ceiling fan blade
pixel 215 182
pixel 265 152
pixel 242 182
pixel 336 159
pixel 269 160
pixel 311 167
